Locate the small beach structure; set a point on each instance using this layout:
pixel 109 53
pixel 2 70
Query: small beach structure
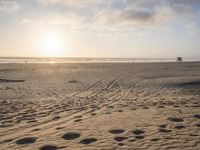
pixel 179 59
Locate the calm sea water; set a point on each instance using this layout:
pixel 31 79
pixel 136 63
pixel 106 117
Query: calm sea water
pixel 85 60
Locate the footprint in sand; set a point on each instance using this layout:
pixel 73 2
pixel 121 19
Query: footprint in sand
pixel 179 127
pixel 193 134
pixel 78 116
pixel 77 120
pixel 56 117
pixel 110 107
pixel 48 147
pixel 161 106
pixel 155 139
pixel 139 137
pixel 93 114
pixel 121 144
pixel 116 131
pixel 175 119
pixel 163 126
pixel 196 116
pixel 71 135
pixel 194 106
pixel 198 124
pixel 36 129
pixel 26 140
pixel 88 140
pixel 164 130
pixel 59 128
pixel 145 107
pixel 120 138
pixel 138 131
pixel 132 140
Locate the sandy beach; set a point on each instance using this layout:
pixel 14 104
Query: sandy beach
pixel 100 106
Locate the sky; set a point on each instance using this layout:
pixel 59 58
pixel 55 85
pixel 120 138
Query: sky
pixel 100 28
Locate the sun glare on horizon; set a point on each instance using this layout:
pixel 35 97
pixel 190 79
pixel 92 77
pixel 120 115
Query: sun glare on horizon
pixel 52 44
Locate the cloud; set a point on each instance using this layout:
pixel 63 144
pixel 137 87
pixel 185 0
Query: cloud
pixel 55 19
pixel 119 16
pixel 71 22
pixel 76 3
pixel 136 16
pixel 9 6
pixel 141 10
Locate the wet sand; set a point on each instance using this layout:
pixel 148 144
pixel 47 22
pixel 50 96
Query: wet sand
pixel 127 106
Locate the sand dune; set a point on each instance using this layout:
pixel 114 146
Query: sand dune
pixel 130 106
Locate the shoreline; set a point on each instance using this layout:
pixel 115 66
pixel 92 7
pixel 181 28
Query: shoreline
pixel 103 62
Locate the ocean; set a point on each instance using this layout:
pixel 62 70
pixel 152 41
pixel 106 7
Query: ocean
pixel 85 60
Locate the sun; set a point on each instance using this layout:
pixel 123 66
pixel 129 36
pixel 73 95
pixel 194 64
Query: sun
pixel 51 44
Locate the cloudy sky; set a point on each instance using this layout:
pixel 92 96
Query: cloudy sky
pixel 100 28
